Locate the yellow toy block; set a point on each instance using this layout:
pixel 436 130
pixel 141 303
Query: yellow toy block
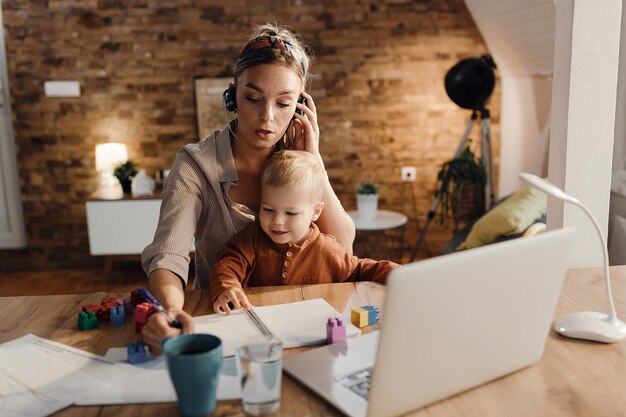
pixel 359 317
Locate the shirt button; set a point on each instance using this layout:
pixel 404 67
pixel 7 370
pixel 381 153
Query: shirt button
pixel 288 254
pixel 284 275
pixel 287 263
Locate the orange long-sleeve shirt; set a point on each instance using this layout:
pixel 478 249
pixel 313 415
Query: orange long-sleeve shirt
pixel 252 259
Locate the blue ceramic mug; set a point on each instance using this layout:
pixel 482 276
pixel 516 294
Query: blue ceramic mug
pixel 194 362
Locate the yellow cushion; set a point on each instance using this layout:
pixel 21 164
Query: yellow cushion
pixel 512 216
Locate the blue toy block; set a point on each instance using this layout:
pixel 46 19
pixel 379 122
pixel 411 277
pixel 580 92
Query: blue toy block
pixel 136 352
pixel 87 320
pixel 373 314
pixel 118 316
pixel 335 330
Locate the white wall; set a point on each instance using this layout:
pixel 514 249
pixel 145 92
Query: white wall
pixel 520 38
pixel 11 219
pixel 524 129
pixel 619 150
pixel 583 117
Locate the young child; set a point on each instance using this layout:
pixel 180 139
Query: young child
pixel 285 247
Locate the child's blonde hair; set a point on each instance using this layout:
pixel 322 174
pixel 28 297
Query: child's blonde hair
pixel 298 169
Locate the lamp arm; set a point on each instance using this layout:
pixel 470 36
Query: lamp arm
pixel 613 314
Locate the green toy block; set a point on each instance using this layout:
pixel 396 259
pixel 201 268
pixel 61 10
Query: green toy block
pixel 87 320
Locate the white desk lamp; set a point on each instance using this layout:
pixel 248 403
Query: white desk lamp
pixel 587 325
pixel 108 156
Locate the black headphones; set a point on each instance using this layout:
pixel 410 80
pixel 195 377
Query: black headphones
pixel 230 98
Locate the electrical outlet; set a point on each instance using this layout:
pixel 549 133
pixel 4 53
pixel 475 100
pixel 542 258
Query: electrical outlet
pixel 408 174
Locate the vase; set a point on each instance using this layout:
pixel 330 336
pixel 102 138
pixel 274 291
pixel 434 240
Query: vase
pixel 142 184
pixel 126 185
pixel 367 206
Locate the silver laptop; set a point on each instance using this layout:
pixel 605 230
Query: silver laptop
pixel 449 324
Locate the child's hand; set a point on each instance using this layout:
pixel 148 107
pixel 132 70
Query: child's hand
pixel 233 295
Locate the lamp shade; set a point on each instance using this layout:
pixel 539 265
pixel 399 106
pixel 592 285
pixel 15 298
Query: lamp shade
pixel 470 82
pixel 109 155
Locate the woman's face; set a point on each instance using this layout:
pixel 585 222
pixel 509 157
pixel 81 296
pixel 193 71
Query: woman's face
pixel 266 101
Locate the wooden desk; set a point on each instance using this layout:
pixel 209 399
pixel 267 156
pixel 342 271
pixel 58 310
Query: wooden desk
pixel 573 378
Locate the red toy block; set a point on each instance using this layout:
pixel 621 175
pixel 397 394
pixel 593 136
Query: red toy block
pixel 91 307
pixel 109 302
pixel 103 313
pixel 142 312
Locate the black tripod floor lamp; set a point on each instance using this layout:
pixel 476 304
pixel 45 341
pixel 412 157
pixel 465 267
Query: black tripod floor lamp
pixel 469 84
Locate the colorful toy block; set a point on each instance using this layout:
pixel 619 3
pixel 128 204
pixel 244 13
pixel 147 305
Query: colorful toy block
pixel 136 352
pixel 136 299
pixel 374 314
pixel 103 313
pixel 128 307
pixel 91 307
pixel 335 330
pixel 358 317
pixel 108 302
pixel 142 312
pixel 118 316
pixel 87 320
pixel 364 316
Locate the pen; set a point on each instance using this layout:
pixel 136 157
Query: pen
pixel 150 299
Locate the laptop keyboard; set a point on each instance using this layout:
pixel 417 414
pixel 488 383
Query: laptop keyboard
pixel 359 382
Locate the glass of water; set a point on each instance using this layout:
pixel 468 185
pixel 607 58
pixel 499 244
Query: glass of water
pixel 261 364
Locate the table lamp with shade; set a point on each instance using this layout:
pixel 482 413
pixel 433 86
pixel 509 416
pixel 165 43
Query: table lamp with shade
pixel 108 156
pixel 587 325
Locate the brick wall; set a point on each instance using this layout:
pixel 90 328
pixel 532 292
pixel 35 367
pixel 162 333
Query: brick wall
pixel 379 90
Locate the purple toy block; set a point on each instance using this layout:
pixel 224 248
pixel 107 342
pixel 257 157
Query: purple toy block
pixel 135 298
pixel 335 330
pixel 128 307
pixel 136 352
pixel 118 316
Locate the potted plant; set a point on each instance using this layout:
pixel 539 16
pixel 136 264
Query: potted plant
pixel 367 199
pixel 124 173
pixel 461 187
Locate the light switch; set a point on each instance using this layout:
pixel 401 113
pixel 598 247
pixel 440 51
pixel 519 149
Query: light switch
pixel 62 88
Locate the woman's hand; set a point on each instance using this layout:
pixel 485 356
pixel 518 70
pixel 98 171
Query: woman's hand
pixel 307 136
pixel 158 327
pixel 233 295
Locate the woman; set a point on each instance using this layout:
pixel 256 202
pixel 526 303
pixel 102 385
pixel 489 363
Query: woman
pixel 213 189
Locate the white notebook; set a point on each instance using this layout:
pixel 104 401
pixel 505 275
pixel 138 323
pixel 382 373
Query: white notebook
pixel 296 324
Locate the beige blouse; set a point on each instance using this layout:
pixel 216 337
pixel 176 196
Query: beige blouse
pixel 196 203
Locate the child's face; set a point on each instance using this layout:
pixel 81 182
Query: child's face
pixel 286 213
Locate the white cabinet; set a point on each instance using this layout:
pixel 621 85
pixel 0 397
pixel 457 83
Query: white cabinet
pixel 123 226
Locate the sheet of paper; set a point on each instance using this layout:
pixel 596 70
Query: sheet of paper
pixel 30 364
pixel 19 399
pixel 156 374
pixel 232 329
pixel 302 323
pixel 296 324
